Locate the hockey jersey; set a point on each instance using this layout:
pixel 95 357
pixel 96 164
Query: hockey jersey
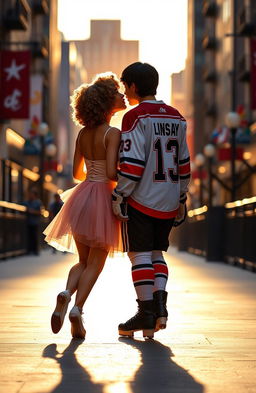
pixel 154 163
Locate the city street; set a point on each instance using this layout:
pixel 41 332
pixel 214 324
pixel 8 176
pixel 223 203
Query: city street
pixel 209 345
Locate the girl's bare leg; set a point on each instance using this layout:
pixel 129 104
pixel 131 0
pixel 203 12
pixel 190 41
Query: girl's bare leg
pixel 95 263
pixel 77 270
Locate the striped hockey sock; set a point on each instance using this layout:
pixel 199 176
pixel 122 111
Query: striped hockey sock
pixel 160 269
pixel 142 274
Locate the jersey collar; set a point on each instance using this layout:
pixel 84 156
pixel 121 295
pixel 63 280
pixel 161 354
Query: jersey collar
pixel 152 102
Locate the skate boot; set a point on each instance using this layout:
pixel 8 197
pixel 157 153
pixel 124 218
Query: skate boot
pixel 161 313
pixel 143 320
pixel 59 313
pixel 77 327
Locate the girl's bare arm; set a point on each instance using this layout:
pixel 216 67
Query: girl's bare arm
pixel 78 163
pixel 112 147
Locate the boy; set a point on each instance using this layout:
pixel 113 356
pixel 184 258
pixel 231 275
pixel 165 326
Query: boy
pixel 153 178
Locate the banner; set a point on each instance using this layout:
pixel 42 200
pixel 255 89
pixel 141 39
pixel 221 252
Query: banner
pixel 253 74
pixel 14 88
pixel 32 145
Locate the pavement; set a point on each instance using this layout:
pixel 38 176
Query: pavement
pixel 209 345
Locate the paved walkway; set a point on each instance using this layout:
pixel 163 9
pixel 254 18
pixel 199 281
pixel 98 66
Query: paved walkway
pixel 209 345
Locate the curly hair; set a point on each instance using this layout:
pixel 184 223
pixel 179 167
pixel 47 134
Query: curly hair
pixel 92 103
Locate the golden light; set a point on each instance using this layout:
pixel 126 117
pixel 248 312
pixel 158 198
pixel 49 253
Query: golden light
pixel 15 173
pixel 30 174
pixel 48 178
pixel 222 169
pixel 117 387
pixel 35 169
pixel 59 168
pixel 197 182
pixel 72 53
pixel 11 205
pixel 247 155
pixel 45 213
pixel 14 139
pixel 60 191
pixel 196 212
pixel 243 202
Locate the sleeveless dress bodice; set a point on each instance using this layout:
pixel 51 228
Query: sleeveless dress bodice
pixel 96 171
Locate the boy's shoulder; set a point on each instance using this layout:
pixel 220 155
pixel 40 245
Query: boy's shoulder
pixel 157 109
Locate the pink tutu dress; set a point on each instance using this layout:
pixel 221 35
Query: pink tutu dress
pixel 86 214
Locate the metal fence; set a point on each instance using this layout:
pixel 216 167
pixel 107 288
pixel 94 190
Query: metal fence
pixel 221 233
pixel 13 230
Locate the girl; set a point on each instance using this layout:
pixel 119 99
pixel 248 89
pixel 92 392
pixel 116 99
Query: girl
pixel 85 222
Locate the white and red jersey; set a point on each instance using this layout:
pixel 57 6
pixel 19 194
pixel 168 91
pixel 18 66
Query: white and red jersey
pixel 154 159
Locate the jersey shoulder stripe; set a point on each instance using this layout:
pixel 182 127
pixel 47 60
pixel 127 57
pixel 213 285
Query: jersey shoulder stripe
pixel 151 110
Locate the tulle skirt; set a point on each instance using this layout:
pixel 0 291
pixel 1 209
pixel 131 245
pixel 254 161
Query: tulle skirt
pixel 86 216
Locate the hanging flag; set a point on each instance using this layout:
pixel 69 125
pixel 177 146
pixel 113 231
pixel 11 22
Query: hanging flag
pixel 14 84
pixel 253 74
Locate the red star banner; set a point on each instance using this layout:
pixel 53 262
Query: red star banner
pixel 253 74
pixel 15 81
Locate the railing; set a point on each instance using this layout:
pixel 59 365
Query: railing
pixel 13 230
pixel 221 233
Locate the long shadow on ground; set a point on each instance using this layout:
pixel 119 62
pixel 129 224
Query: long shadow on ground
pixel 74 378
pixel 158 372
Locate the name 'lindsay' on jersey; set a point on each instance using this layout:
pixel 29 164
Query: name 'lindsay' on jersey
pixel 154 159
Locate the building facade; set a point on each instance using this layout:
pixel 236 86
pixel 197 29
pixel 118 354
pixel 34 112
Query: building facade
pixel 221 69
pixel 106 51
pixel 73 73
pixel 28 28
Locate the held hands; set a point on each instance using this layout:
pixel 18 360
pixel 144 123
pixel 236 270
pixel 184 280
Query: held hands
pixel 181 216
pixel 118 206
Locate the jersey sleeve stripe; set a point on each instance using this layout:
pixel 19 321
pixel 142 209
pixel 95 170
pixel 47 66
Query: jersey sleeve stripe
pixel 181 162
pixel 134 160
pixel 131 169
pixel 184 177
pixel 184 169
pixel 128 176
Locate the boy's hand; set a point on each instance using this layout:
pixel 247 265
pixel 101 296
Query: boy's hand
pixel 119 206
pixel 181 216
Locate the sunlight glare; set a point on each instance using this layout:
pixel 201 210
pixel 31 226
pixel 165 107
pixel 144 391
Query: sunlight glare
pixel 119 387
pixel 162 35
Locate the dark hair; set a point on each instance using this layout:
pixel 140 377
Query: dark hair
pixel 92 103
pixel 143 75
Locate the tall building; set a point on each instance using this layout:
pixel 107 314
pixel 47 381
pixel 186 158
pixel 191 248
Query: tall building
pixel 193 76
pixel 106 51
pixel 178 95
pixel 73 74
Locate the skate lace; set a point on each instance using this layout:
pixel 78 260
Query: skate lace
pixel 134 317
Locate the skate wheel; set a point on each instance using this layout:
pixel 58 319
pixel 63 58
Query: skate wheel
pixel 161 323
pixel 149 333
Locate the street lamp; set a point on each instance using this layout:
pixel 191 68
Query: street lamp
pixel 232 122
pixel 209 152
pixel 50 150
pixel 199 162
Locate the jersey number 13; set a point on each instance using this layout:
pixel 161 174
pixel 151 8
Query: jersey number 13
pixel 171 147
